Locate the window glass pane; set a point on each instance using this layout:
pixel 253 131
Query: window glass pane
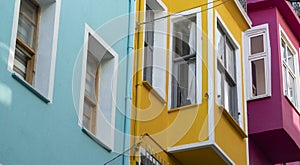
pixel 148 45
pixel 258 77
pixel 29 9
pixel 220 45
pixel 283 52
pixel 219 87
pixel 291 89
pixel 185 37
pixel 285 80
pixel 257 44
pixel 90 80
pixel 291 60
pixel 230 60
pixel 26 32
pixel 227 96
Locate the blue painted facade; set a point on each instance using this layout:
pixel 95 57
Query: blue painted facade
pixel 34 132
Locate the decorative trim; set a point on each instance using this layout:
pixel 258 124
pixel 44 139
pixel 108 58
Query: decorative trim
pixel 30 88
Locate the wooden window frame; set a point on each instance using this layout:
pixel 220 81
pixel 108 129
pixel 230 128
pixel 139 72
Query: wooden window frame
pixel 29 52
pixel 93 110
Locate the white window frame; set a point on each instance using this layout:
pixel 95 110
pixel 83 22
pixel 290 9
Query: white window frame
pixel 174 19
pixel 238 60
pixel 47 46
pixel 291 47
pixel 159 47
pixel 266 55
pixel 107 88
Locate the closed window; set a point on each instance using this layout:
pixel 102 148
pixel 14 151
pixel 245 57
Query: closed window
pixel 155 43
pixel 34 45
pixel 226 88
pixel 149 45
pixel 184 62
pixel 258 62
pixel 91 93
pixel 289 72
pixel 26 45
pixel 98 88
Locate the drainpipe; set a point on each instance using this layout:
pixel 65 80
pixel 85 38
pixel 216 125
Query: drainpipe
pixel 128 85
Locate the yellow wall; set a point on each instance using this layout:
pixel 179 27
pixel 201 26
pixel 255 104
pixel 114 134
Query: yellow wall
pixel 187 124
pixel 227 135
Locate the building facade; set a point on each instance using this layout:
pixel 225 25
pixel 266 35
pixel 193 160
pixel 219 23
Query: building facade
pixel 63 81
pixel 272 51
pixel 189 104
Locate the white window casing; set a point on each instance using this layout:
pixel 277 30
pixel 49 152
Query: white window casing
pixel 47 45
pixel 290 69
pixel 108 58
pixel 253 63
pixel 197 50
pixel 238 70
pixel 158 68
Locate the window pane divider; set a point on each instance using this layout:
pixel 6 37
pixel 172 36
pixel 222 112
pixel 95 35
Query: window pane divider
pixel 26 47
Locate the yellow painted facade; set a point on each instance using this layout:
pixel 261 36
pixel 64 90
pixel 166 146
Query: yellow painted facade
pixel 198 133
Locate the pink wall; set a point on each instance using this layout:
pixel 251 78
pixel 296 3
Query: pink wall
pixel 265 114
pixel 274 124
pixel 291 119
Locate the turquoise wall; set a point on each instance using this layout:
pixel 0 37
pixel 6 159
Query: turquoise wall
pixel 33 132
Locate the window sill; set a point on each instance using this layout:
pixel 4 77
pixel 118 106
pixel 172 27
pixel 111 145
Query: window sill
pixel 30 88
pixel 95 139
pixel 182 108
pixel 235 125
pixel 149 87
pixel 259 97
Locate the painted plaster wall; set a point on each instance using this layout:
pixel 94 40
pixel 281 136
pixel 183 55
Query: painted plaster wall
pixel 262 116
pixel 291 116
pixel 257 157
pixel 33 132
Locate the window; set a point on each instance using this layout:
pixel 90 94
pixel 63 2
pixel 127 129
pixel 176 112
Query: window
pixel 154 62
pixel 226 73
pixel 258 62
pixel 26 45
pixel 91 93
pixel 149 43
pixel 185 62
pixel 98 88
pixel 289 72
pixel 34 44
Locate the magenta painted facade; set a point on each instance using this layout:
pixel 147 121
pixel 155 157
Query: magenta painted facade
pixel 274 122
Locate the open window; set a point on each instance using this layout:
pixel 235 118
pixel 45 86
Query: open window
pixel 186 61
pixel 154 63
pixel 98 88
pixel 33 45
pixel 257 49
